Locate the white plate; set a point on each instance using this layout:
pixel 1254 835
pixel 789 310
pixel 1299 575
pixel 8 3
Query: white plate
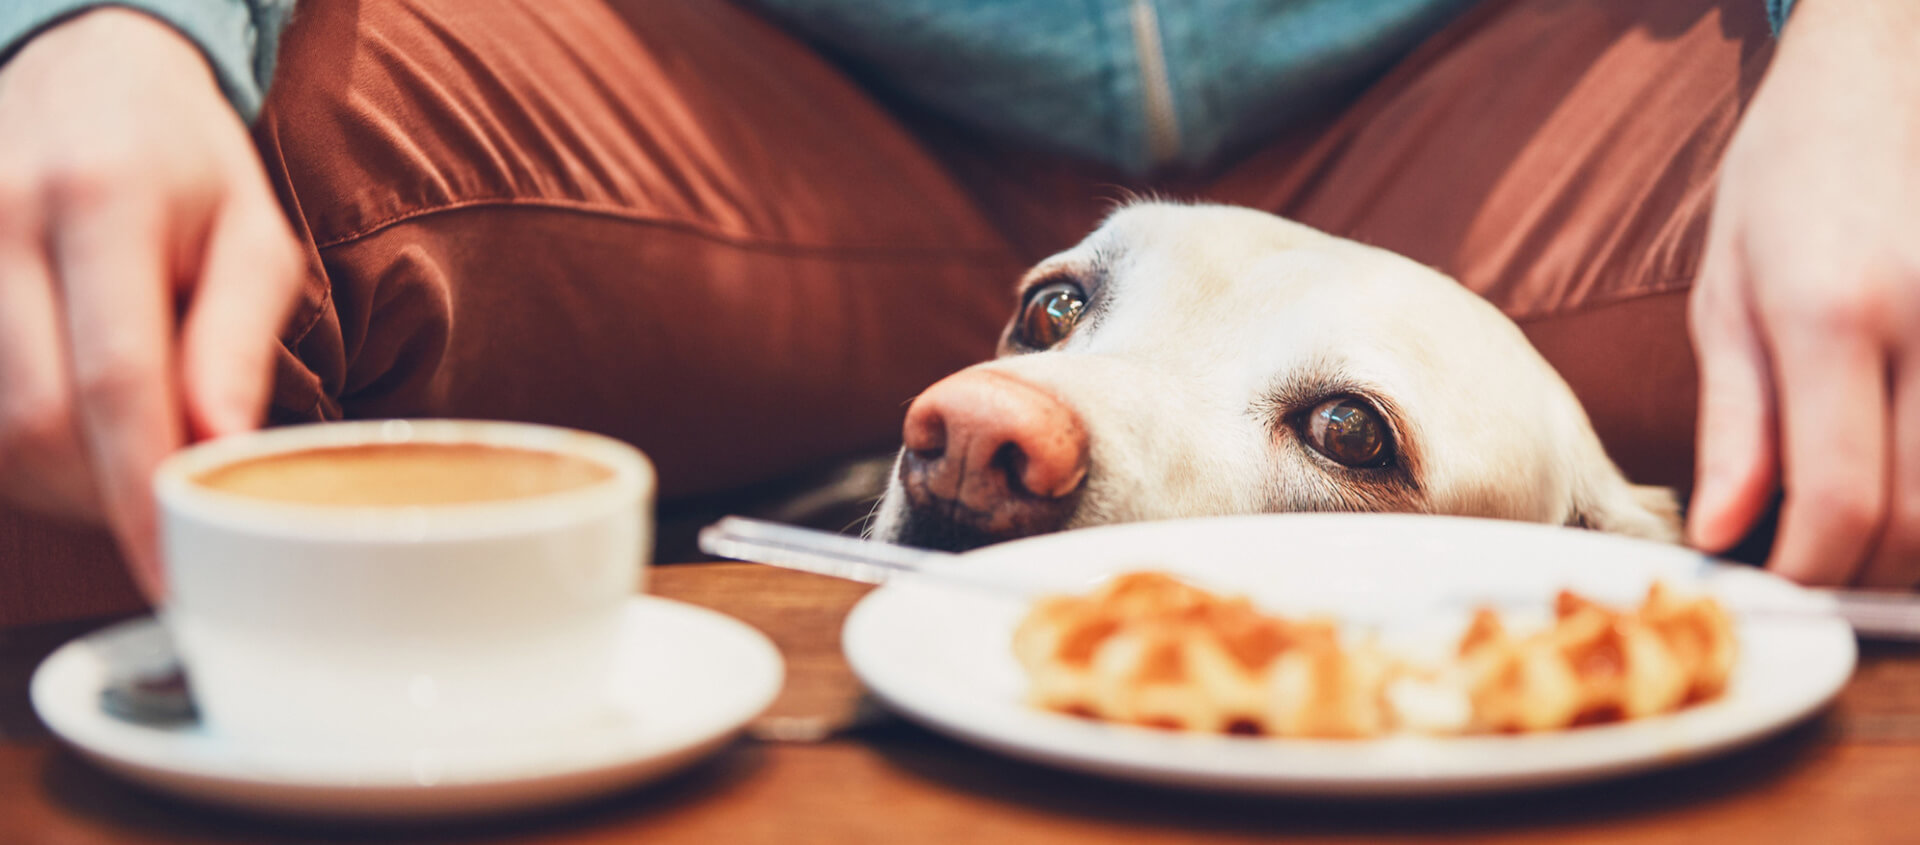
pixel 942 655
pixel 688 680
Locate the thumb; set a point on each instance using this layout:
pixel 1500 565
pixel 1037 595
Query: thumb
pixel 250 276
pixel 1738 456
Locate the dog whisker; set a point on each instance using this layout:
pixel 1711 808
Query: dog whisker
pixel 1189 387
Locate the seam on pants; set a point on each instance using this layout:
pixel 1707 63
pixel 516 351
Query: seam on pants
pixel 698 230
pixel 320 310
pixel 1669 286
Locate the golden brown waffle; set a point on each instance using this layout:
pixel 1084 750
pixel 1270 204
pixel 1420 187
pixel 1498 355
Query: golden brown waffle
pixel 1150 649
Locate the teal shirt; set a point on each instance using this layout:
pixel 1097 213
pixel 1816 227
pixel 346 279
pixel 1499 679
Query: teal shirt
pixel 239 37
pixel 1143 85
pixel 1140 84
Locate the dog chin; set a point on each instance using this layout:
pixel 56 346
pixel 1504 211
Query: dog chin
pixel 925 530
pixel 939 528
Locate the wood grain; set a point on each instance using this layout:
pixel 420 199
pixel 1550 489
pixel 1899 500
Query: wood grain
pixel 1848 776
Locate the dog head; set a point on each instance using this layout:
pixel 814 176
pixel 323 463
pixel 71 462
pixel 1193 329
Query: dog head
pixel 1205 360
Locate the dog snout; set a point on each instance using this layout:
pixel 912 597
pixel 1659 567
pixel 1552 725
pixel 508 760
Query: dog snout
pixel 997 447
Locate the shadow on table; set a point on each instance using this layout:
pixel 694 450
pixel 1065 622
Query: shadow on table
pixel 97 798
pixel 953 765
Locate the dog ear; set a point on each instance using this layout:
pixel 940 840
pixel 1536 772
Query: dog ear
pixel 1636 510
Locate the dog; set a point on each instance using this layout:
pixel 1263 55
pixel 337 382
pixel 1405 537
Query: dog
pixel 1199 360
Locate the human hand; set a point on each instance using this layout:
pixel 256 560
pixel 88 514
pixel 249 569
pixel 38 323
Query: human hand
pixel 145 270
pixel 1806 315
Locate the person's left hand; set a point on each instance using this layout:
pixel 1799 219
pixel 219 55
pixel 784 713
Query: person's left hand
pixel 1806 314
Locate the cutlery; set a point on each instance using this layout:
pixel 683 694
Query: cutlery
pixel 1873 615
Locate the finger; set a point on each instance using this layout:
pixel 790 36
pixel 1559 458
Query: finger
pixel 252 271
pixel 1738 462
pixel 112 263
pixel 1833 385
pixel 41 464
pixel 1896 559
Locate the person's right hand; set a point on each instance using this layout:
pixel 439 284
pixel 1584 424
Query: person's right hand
pixel 145 270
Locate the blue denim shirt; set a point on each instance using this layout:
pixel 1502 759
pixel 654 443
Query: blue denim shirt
pixel 1140 84
pixel 239 37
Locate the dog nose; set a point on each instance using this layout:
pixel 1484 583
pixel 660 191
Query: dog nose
pixel 991 442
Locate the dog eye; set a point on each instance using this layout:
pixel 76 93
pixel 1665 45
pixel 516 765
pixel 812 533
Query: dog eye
pixel 1349 430
pixel 1050 313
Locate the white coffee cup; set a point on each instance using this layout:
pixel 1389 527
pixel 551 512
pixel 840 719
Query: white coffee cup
pixel 342 626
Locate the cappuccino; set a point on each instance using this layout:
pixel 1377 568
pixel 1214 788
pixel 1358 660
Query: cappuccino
pixel 404 474
pixel 327 588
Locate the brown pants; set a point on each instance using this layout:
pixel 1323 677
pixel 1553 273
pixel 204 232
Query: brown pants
pixel 674 223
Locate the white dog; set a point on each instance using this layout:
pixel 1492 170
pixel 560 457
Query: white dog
pixel 1202 360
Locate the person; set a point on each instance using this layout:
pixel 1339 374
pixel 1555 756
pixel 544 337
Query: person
pixel 741 236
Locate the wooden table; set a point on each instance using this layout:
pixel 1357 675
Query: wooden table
pixel 1851 775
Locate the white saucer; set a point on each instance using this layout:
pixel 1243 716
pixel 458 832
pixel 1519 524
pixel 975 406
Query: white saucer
pixel 688 680
pixel 943 656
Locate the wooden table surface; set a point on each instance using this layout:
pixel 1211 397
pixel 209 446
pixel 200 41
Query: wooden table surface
pixel 1850 775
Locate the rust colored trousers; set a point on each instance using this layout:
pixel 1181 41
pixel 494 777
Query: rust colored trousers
pixel 672 222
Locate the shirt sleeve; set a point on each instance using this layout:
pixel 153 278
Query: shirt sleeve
pixel 239 37
pixel 1777 11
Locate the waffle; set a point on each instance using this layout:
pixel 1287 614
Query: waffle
pixel 1149 649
